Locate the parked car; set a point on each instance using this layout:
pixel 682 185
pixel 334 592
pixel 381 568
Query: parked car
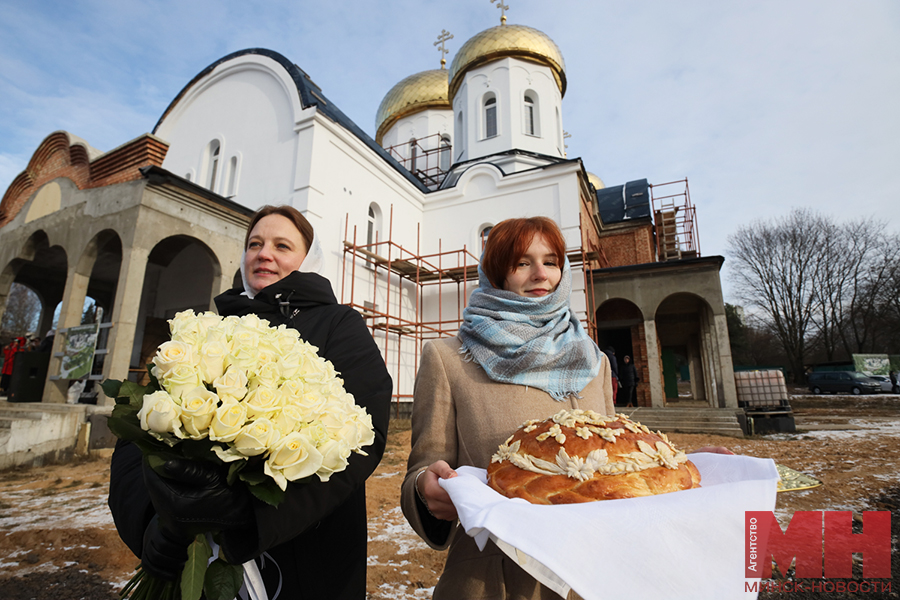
pixel 884 381
pixel 842 382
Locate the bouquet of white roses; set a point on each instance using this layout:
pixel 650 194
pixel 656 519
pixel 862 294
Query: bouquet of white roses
pixel 234 390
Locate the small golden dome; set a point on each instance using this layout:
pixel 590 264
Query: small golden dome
pixel 508 40
pixel 595 181
pixel 418 92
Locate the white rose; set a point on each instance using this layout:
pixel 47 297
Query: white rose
pixel 181 321
pixel 243 356
pixel 160 414
pixel 182 378
pixel 289 419
pixel 290 364
pixel 256 437
pixel 262 402
pixel 334 458
pixel 227 422
pixel 212 360
pixel 198 407
pixel 292 458
pixel 229 324
pixel 253 322
pixel 292 389
pixel 206 321
pixel 232 385
pixel 317 433
pixel 285 339
pixel 268 375
pixel 170 354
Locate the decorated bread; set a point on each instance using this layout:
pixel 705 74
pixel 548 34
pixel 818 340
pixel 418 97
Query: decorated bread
pixel 582 456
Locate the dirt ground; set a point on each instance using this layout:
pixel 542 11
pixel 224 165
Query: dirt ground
pixel 57 540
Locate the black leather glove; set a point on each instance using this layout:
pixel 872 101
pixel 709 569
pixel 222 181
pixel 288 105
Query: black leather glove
pixel 165 551
pixel 193 497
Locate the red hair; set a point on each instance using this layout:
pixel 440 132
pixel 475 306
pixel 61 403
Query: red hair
pixel 508 241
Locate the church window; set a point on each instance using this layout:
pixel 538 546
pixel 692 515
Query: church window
pixel 485 231
pixel 490 117
pixel 232 176
pixel 445 153
pixel 531 115
pixel 460 134
pixel 213 165
pixel 373 224
pixel 413 155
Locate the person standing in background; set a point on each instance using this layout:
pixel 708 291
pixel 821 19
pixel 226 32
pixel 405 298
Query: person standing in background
pixel 627 380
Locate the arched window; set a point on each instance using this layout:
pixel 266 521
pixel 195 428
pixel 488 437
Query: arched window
pixel 485 232
pixel 373 224
pixel 460 135
pixel 413 155
pixel 530 113
pixel 213 164
pixel 444 153
pixel 232 176
pixel 490 116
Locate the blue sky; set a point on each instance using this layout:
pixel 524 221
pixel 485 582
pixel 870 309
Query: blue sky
pixel 763 105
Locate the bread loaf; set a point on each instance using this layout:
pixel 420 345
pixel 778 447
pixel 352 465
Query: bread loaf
pixel 582 456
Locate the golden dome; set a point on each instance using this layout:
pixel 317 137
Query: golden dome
pixel 595 181
pixel 418 92
pixel 508 40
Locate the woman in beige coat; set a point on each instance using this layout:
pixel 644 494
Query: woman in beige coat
pixel 521 354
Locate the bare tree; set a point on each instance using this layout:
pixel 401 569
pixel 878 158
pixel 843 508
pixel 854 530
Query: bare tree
pixel 776 268
pixel 23 308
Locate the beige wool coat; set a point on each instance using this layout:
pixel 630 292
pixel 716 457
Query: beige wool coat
pixel 462 416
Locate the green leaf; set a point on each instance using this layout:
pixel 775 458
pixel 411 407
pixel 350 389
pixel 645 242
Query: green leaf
pixel 111 387
pixel 223 581
pixel 154 382
pixel 135 393
pixel 125 426
pixel 234 469
pixel 268 492
pixel 254 477
pixel 194 573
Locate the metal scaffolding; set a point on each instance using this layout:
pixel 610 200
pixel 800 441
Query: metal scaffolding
pixel 677 236
pixel 379 275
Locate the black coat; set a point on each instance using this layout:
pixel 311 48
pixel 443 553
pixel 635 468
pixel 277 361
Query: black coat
pixel 627 374
pixel 317 536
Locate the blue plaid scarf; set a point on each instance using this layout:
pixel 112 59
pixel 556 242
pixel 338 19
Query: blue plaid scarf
pixel 535 342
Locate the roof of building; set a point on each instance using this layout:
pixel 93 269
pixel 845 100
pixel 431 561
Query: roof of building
pixel 624 202
pixel 310 95
pixel 519 41
pixel 415 93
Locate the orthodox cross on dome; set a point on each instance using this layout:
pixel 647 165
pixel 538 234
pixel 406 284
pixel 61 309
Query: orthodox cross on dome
pixel 566 135
pixel 445 35
pixel 503 8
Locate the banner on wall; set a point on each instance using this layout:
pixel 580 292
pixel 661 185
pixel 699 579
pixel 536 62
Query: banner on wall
pixel 78 352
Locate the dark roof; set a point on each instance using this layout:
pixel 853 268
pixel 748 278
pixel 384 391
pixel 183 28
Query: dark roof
pixel 310 95
pixel 159 176
pixel 624 202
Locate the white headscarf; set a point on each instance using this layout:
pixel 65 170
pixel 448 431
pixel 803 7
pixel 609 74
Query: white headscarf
pixel 312 263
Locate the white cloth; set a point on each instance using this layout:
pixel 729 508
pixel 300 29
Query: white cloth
pixel 687 544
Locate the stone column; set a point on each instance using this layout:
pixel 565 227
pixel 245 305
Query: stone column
pixel 657 394
pixel 125 312
pixel 55 391
pixel 726 365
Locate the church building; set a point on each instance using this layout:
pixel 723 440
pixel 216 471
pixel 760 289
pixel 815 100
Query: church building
pixel 156 225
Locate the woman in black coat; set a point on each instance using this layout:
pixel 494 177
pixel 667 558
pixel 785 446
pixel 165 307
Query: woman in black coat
pixel 313 545
pixel 627 382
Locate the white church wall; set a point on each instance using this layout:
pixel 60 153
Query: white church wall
pixel 507 80
pixel 249 105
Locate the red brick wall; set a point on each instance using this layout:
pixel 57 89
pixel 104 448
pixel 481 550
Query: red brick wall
pixel 55 158
pixel 631 246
